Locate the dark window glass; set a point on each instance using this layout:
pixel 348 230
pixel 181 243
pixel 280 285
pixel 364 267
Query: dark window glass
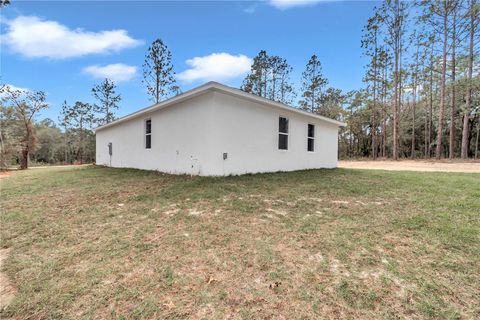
pixel 311 145
pixel 148 126
pixel 283 142
pixel 148 141
pixel 311 131
pixel 283 125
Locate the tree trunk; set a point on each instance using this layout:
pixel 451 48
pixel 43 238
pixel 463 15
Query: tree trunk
pixel 81 139
pixel 430 118
pixel 476 140
pixel 451 149
pixel 425 133
pixel 468 98
pixel 25 153
pixel 65 146
pixel 413 122
pixel 24 159
pixel 401 101
pixel 384 133
pixel 374 120
pixel 384 109
pixel 395 110
pixel 414 103
pixel 438 149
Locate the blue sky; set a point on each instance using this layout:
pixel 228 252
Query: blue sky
pixel 65 47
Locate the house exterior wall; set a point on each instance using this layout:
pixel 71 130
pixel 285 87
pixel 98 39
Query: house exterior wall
pixel 191 137
pixel 181 139
pixel 248 132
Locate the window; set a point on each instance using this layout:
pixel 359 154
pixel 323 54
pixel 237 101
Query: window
pixel 148 134
pixel 311 138
pixel 282 133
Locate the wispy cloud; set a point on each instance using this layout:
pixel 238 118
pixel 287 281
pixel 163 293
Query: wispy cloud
pixel 117 71
pixel 287 4
pixel 34 37
pixel 251 7
pixel 216 67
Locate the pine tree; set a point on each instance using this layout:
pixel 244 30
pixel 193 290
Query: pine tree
pixel 394 16
pixel 81 119
pixel 269 77
pixel 257 80
pixel 158 74
pixel 473 15
pixel 313 83
pixel 370 44
pixel 280 89
pixel 64 121
pixel 108 101
pixel 415 75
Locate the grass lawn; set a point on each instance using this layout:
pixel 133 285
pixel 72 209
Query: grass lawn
pixel 96 243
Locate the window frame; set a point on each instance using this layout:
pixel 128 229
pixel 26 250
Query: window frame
pixel 145 134
pixel 287 134
pixel 311 137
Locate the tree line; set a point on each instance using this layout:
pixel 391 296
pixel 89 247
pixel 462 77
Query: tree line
pixel 71 139
pixel 420 97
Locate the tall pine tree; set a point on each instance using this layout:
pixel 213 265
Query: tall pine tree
pixel 313 83
pixel 158 74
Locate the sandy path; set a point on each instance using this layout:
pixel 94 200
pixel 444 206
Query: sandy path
pixel 414 165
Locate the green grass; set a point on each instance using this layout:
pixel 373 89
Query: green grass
pixel 96 243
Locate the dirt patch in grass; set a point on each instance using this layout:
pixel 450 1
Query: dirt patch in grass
pixel 414 165
pixel 7 291
pixel 312 244
pixel 4 174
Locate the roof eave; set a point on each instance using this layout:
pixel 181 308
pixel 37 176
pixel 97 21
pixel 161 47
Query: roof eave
pixel 221 88
pixel 259 99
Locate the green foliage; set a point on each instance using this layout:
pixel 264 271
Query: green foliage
pixel 79 139
pixel 22 106
pixel 331 104
pixel 48 149
pixel 10 136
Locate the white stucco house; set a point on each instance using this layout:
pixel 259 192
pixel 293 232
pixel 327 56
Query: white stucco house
pixel 216 130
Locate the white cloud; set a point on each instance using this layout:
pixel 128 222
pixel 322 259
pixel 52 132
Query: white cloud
pixel 116 71
pixel 12 88
pixel 33 37
pixel 216 67
pixel 286 4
